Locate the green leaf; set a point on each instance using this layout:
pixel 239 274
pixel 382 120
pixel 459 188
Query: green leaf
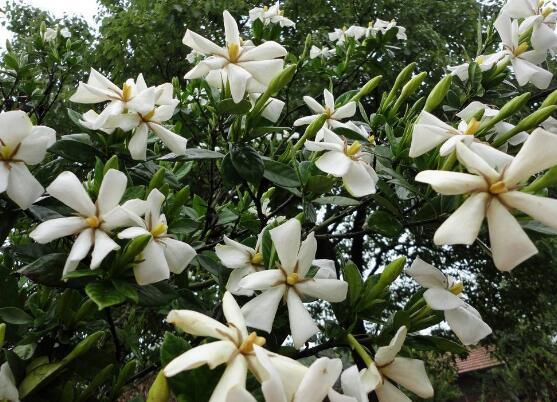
pixel 385 224
pixel 247 163
pixel 280 173
pixel 228 106
pixel 75 148
pixel 192 154
pixel 126 289
pixel 158 294
pixel 352 276
pixel 228 172
pixel 14 315
pixel 436 343
pixel 46 270
pixel 336 200
pixel 320 184
pixel 104 294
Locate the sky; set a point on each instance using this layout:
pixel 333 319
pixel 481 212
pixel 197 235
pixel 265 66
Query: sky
pixel 84 8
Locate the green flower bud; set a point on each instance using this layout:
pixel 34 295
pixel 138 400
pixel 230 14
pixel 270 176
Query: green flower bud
pixel 508 109
pixel 157 180
pixel 367 88
pixel 551 99
pixel 159 391
pixel 112 163
pixel 529 122
pixel 311 131
pixel 438 93
pixel 547 180
pixel 402 77
pixel 277 83
pixel 408 90
pixel 307 45
pixel 133 249
pixel 388 276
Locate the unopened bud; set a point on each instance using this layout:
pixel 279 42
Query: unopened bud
pixel 112 163
pixel 367 88
pixel 508 109
pixel 159 391
pixel 438 93
pixel 472 127
pixel 551 99
pixel 157 180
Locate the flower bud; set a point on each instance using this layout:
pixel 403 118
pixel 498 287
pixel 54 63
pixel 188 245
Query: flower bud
pixel 388 276
pixel 2 334
pixel 311 131
pixel 157 180
pixel 112 163
pixel 159 391
pixel 282 79
pixel 133 249
pixel 367 88
pixel 307 45
pixel 551 99
pixel 508 109
pixel 402 77
pixel 547 180
pixel 529 122
pixel 438 93
pixel 412 86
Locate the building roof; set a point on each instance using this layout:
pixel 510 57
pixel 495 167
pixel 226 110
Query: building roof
pixel 478 359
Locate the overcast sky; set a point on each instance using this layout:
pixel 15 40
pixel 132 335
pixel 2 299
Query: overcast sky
pixel 84 8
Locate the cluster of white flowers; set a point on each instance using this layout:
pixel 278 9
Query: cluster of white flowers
pixel 50 34
pixel 270 16
pixel 527 29
pixel 340 35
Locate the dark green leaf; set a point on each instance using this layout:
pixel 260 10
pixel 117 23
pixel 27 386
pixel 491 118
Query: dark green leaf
pixel 247 163
pixel 280 173
pixel 384 223
pixel 14 315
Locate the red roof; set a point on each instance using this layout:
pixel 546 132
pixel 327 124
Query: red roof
pixel 478 358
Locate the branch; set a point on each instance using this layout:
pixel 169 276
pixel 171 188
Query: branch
pixel 112 327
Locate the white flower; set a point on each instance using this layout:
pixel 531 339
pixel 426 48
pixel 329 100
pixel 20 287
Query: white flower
pixel 192 56
pixel 485 62
pixel 410 373
pixel 524 62
pixel 338 36
pixel 246 68
pixel 550 124
pixel 500 128
pixel 288 282
pixel 271 15
pixel 385 26
pixel 22 144
pixel 356 32
pixel 540 16
pixel 50 34
pixel 429 132
pixel 442 294
pixel 162 109
pixel 234 347
pixel 65 32
pixel 93 222
pixel 324 52
pixel 8 389
pixel 346 161
pixel 272 109
pixel 315 385
pixel 134 96
pixel 493 195
pixel 243 260
pixel 333 115
pixel 163 254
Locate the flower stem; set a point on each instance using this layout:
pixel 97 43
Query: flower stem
pixel 355 345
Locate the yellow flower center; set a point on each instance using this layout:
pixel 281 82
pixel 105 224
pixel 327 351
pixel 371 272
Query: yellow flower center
pixel 472 127
pixel 370 24
pixel 457 288
pixel 292 278
pixel 252 339
pixel 159 229
pixel 354 148
pixel 93 222
pixel 126 92
pixel 344 28
pixel 233 52
pixel 265 8
pixel 328 112
pixel 498 188
pixel 5 152
pixel 520 49
pixel 480 59
pixel 546 11
pixel 371 139
pixel 256 259
pixel 148 116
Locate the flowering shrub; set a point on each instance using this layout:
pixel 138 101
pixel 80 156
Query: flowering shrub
pixel 219 236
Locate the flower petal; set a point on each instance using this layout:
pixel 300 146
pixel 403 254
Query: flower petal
pixel 497 159
pixel 334 162
pixel 262 70
pixel 23 188
pixel 201 44
pixel 4 177
pixel 153 268
pixel 467 326
pixel 33 148
pixel 329 99
pixel 233 256
pixel 240 394
pixel 474 163
pixel 286 239
pixel 212 354
pixel 463 226
pixel 234 279
pixel 178 254
pixel 331 290
pixel 198 324
pixel 352 386
pixel 263 280
pixel 542 209
pixel 427 275
pixel 390 393
pixel 360 180
pixel 265 51
pixel 306 255
pixel 442 299
pixel 8 389
pixel 452 183
pixel 15 125
pixel 176 143
pixel 112 190
pixel 302 326
pixel 233 314
pixel 102 247
pixel 234 375
pixel 510 245
pixel 345 111
pixel 79 251
pixel 57 228
pixel 137 145
pixel 538 153
pixel 260 311
pixel 68 189
pixel 232 34
pixel 313 104
pixel 319 379
pixel 411 374
pixel 238 78
pixel 386 354
pixel 132 233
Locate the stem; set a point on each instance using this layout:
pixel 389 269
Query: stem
pixel 356 346
pixel 112 327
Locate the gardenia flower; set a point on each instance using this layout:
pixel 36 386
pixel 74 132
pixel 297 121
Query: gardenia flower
pixel 272 109
pixel 8 389
pixel 429 132
pixel 243 260
pixel 346 161
pixel 385 26
pixel 163 254
pixel 50 34
pixel 288 283
pixel 494 194
pixel 324 52
pixel 234 347
pixel 443 294
pixel 524 62
pixel 93 222
pixel 485 62
pixel 356 32
pixel 540 16
pixel 22 144
pixel 315 385
pixel 338 36
pixel 133 96
pixel 162 109
pixel 65 32
pixel 410 373
pixel 270 15
pixel 246 69
pixel 333 115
